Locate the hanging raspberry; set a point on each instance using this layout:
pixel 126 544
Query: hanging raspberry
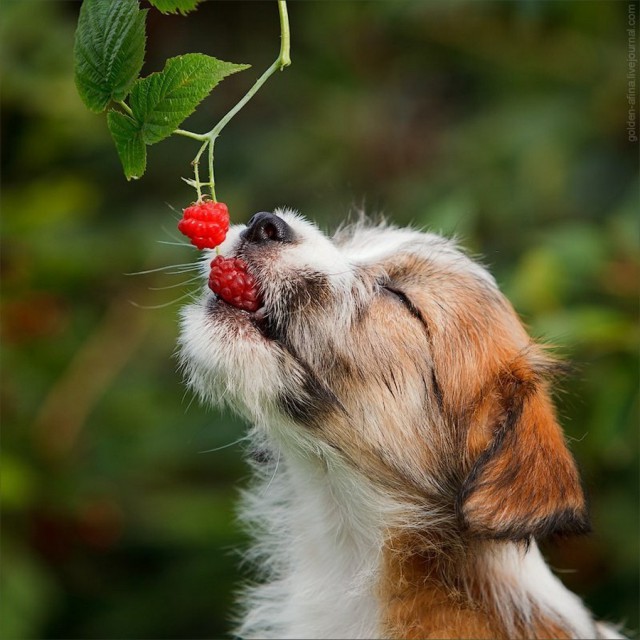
pixel 205 224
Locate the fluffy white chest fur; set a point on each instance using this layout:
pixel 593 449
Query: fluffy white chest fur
pixel 406 450
pixel 321 551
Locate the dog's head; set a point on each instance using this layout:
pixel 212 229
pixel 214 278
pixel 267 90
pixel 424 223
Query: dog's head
pixel 395 352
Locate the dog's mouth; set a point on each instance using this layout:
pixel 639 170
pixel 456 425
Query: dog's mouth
pixel 234 302
pixel 250 284
pixel 259 319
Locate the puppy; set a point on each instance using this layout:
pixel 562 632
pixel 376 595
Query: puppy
pixel 405 445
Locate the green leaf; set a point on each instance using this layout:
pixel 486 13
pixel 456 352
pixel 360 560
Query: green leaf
pixel 127 134
pixel 161 102
pixel 108 50
pixel 175 6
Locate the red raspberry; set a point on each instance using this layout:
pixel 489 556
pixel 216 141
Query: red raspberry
pixel 230 280
pixel 205 223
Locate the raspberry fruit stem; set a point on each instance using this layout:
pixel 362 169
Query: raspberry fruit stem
pixel 209 139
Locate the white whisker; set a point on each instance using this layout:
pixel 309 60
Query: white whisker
pixel 186 266
pixel 161 306
pixel 177 243
pixel 184 283
pixel 191 401
pixel 173 208
pixel 266 489
pixel 226 446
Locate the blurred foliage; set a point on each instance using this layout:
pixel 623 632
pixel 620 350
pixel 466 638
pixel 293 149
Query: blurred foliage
pixel 501 122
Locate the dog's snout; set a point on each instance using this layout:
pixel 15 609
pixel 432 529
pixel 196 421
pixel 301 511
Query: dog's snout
pixel 267 227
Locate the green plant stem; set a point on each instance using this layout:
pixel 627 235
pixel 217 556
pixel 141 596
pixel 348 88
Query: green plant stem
pixel 209 139
pixel 125 107
pixel 190 134
pixel 283 60
pixel 285 37
pixel 196 169
pixel 212 182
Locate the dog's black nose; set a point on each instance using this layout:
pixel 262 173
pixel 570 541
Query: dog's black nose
pixel 265 227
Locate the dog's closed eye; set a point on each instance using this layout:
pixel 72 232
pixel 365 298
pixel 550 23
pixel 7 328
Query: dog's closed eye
pixel 402 298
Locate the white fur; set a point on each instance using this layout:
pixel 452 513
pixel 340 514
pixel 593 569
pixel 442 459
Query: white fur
pixel 319 537
pixel 524 584
pixel 210 354
pixel 366 244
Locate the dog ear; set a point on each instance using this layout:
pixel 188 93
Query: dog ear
pixel 525 482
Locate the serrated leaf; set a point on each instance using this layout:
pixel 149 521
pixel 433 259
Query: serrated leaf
pixel 108 51
pixel 127 135
pixel 162 101
pixel 175 6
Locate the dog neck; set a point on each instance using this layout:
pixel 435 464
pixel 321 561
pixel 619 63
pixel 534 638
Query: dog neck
pixel 334 568
pixel 320 548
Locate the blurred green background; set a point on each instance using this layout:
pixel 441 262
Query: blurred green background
pixel 501 122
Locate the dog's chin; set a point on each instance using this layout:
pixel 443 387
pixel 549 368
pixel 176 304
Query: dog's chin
pixel 249 323
pixel 228 357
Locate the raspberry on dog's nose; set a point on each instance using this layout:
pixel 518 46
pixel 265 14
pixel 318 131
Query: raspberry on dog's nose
pixel 266 227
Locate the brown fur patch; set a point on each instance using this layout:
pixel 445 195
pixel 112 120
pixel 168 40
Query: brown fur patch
pixel 424 599
pixel 525 482
pixel 445 594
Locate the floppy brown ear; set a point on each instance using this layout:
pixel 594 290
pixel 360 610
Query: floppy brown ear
pixel 525 482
